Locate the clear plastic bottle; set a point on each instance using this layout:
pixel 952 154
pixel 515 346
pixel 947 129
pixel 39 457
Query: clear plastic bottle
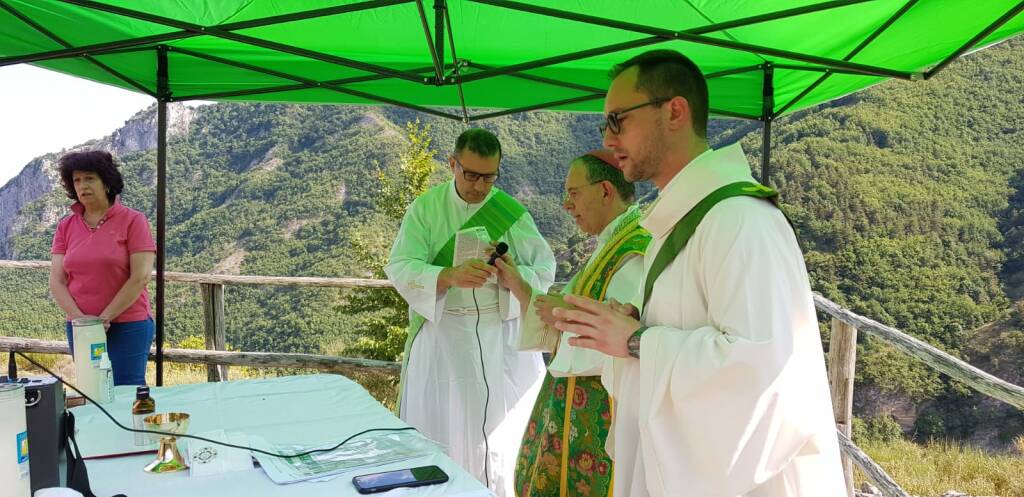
pixel 144 406
pixel 106 380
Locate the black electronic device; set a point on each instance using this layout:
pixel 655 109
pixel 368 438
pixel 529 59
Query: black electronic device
pixel 499 250
pixel 415 477
pixel 44 413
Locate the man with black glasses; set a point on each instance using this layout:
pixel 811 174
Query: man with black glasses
pixel 461 352
pixel 719 383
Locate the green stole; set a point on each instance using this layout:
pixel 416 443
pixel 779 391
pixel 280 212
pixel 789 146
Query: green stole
pixel 686 226
pixel 628 238
pixel 541 469
pixel 497 215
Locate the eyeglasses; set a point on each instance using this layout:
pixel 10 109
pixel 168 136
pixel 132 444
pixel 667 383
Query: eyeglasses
pixel 613 121
pixel 473 176
pixel 572 193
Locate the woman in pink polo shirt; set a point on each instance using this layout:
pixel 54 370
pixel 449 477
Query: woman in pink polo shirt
pixel 102 256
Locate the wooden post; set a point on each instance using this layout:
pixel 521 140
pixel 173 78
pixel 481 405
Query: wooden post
pixel 213 314
pixel 842 360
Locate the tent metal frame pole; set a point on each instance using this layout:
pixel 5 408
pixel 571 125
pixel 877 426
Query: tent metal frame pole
pixel 163 92
pixel 148 41
pixel 558 59
pixel 457 66
pixel 731 72
pixel 528 108
pixel 667 33
pixel 830 70
pixel 853 53
pixel 542 79
pixel 53 36
pixel 311 83
pixel 1005 18
pixel 440 12
pixel 438 69
pixel 249 40
pixel 529 77
pixel 694 35
pixel 767 116
pixel 283 88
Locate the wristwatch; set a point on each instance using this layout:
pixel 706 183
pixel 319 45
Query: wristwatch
pixel 633 343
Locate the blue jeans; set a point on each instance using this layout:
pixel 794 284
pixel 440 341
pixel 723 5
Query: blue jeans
pixel 128 347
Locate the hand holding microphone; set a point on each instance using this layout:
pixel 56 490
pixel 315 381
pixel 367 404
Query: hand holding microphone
pixel 499 250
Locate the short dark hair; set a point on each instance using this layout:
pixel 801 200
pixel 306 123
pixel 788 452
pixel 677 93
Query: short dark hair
pixel 479 141
pixel 96 161
pixel 599 170
pixel 668 74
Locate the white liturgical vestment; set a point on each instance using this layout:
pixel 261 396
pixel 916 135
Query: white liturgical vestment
pixel 445 393
pixel 729 397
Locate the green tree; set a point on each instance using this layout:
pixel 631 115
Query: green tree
pixel 382 329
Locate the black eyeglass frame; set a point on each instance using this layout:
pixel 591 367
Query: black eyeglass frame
pixel 613 120
pixel 473 176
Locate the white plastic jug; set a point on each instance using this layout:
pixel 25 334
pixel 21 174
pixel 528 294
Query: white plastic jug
pixel 90 340
pixel 14 435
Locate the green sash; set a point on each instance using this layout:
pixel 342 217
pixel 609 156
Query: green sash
pixel 684 229
pixel 497 215
pixel 628 238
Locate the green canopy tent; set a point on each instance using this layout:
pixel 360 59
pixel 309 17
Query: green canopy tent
pixel 475 59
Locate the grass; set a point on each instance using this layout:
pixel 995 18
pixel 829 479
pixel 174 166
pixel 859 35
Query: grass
pixel 932 469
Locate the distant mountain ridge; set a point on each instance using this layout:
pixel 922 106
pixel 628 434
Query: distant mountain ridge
pixel 39 176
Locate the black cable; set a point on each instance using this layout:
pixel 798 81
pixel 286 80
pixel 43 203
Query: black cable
pixel 184 435
pixel 487 396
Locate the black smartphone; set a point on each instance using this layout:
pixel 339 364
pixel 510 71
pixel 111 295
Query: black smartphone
pixel 415 477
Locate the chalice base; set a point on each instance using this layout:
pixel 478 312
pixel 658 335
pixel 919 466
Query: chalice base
pixel 168 459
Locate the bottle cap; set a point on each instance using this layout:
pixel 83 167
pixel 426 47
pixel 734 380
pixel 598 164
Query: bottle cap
pixel 142 393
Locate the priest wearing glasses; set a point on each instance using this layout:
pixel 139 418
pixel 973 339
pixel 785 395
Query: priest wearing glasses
pixel 464 382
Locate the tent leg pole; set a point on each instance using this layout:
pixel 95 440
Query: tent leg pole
pixel 767 115
pixel 163 94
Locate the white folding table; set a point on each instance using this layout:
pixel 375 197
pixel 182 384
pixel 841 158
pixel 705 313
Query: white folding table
pixel 295 410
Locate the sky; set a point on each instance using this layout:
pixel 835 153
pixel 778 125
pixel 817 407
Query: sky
pixel 43 111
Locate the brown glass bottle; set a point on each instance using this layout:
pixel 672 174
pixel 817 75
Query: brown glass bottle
pixel 144 406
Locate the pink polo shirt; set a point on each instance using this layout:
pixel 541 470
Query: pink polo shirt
pixel 97 262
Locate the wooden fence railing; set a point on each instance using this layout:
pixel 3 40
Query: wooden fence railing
pixel 841 354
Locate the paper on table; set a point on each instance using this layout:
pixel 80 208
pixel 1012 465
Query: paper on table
pixel 206 458
pixel 366 452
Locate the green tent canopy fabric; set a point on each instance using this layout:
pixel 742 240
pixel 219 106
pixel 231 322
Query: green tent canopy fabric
pixel 471 59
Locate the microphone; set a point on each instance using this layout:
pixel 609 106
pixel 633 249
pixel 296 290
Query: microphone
pixel 498 252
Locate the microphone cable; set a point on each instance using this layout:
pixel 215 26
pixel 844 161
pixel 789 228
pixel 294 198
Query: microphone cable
pixel 185 435
pixel 487 396
pixel 500 249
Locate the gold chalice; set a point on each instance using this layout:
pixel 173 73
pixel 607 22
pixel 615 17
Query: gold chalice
pixel 168 459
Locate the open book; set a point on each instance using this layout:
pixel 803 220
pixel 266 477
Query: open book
pixel 472 243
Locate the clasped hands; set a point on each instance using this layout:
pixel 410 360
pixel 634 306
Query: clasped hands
pixel 605 327
pixel 472 273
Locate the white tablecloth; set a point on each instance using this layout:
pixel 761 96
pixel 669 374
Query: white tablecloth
pixel 307 410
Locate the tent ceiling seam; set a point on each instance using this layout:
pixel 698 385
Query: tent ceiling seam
pixel 312 83
pixel 725 32
pixel 853 53
pixel 108 47
pixel 244 39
